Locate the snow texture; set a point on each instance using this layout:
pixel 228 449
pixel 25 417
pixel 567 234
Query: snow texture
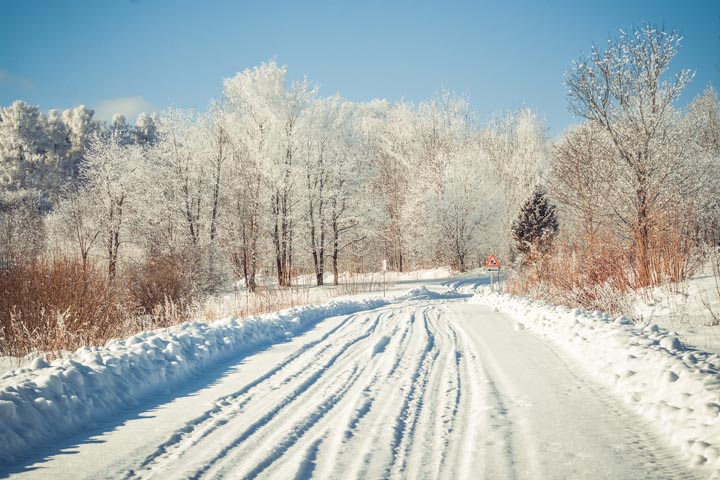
pixel 675 388
pixel 47 401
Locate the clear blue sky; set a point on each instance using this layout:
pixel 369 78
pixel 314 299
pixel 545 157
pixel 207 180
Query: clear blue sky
pixel 156 53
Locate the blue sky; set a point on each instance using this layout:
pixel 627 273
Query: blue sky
pixel 148 54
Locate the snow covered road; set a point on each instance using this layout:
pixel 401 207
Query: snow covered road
pixel 424 388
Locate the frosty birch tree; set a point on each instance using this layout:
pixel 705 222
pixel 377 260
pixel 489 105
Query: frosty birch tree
pixel 390 126
pixel 251 100
pixel 622 89
pixel 320 126
pixel 109 173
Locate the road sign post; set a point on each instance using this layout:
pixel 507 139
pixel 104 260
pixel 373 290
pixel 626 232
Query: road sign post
pixel 492 265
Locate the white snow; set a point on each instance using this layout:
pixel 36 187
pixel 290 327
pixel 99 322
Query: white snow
pixel 45 401
pixel 677 389
pixel 691 308
pixel 425 384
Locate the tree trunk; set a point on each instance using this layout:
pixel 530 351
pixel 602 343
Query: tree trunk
pixel 336 245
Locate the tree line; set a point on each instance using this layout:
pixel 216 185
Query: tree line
pixel 274 180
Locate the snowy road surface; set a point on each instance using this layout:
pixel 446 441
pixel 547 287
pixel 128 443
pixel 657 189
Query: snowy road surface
pixel 416 389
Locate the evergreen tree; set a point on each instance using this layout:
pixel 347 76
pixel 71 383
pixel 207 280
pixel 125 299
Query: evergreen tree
pixel 536 225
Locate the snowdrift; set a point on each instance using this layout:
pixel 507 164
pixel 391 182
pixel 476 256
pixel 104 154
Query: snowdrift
pixel 675 388
pixel 47 401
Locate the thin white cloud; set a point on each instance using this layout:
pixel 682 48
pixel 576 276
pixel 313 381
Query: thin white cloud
pixel 7 78
pixel 131 107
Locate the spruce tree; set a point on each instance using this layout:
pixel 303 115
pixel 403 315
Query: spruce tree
pixel 536 225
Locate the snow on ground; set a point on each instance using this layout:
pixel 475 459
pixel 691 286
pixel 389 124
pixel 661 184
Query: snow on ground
pixel 422 384
pixel 676 388
pixel 691 308
pixel 44 401
pixel 426 385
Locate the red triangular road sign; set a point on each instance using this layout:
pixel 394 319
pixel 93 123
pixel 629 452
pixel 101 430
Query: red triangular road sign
pixel 492 262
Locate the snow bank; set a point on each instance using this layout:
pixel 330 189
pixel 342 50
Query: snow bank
pixel 675 388
pixel 45 401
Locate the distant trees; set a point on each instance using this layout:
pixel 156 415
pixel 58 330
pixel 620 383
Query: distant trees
pixel 518 147
pixel 274 180
pixel 39 156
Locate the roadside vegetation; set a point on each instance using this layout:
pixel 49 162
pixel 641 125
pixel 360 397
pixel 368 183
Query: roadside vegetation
pixel 111 228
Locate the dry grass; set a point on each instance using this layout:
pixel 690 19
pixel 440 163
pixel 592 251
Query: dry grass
pixel 58 304
pixel 598 273
pixel 595 277
pixel 161 291
pixel 270 298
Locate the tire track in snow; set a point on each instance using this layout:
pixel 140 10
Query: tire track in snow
pixel 355 451
pixel 424 453
pixel 382 395
pixel 448 433
pixel 327 424
pixel 307 466
pixel 272 414
pixel 231 405
pixel 223 403
pixel 306 424
pixel 406 421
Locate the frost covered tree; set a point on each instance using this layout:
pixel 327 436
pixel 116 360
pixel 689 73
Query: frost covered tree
pixel 22 233
pixel 353 213
pixel 701 125
pixel 183 174
pixel 322 123
pixel 26 178
pixel 465 209
pixel 335 171
pixel 536 225
pixel 120 129
pixel 283 177
pixel 277 110
pixel 81 129
pixel 623 90
pixel 249 136
pixel 75 225
pixel 145 130
pixel 254 98
pixel 111 175
pixel 518 148
pixel 390 127
pixel 23 148
pixel 585 179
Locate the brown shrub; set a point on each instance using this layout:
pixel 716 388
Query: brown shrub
pixel 594 276
pixel 160 288
pixel 57 304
